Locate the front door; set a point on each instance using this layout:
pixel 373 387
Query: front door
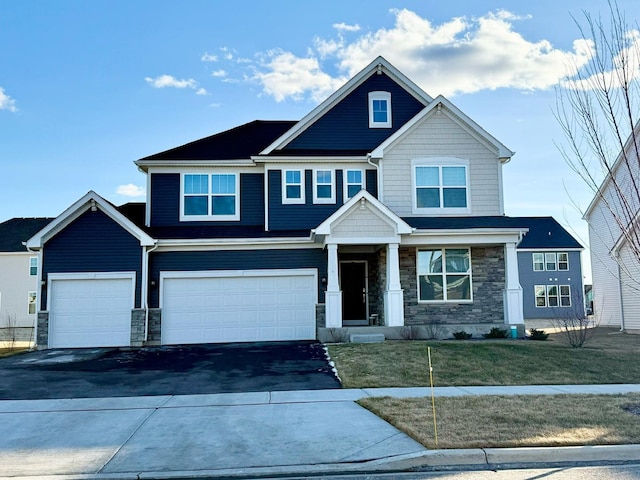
pixel 353 283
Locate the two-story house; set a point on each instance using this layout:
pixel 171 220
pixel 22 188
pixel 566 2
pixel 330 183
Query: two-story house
pixel 381 208
pixel 550 269
pixel 18 279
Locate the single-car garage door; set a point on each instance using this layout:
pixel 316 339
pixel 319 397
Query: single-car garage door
pixel 238 306
pixel 90 310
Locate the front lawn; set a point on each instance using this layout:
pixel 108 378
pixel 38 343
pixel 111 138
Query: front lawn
pixel 610 357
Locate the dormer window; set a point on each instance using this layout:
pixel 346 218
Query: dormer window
pixel 379 110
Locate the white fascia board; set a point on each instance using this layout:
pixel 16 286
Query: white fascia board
pixel 76 210
pixel 549 249
pixel 460 118
pixel 174 245
pixel 148 164
pixel 471 236
pixel 325 227
pixel 207 168
pixel 19 253
pixel 341 93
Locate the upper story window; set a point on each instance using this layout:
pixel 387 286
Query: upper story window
pixel 293 186
pixel 550 261
pixel 440 188
pixel 353 183
pixel 210 196
pixel 444 275
pixel 33 266
pixel 379 110
pixel 323 186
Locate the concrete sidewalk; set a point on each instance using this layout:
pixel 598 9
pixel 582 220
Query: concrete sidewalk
pixel 261 433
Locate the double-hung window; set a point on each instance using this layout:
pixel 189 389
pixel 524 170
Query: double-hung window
pixel 538 262
pixel 33 266
pixel 550 261
pixel 210 196
pixel 293 186
pixel 563 261
pixel 379 110
pixel 353 183
pixel 552 295
pixel 31 303
pixel 444 275
pixel 323 186
pixel 440 188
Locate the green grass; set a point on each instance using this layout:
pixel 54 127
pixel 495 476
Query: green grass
pixel 518 421
pixel 610 357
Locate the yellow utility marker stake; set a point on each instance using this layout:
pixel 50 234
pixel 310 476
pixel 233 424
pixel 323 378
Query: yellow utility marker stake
pixel 433 398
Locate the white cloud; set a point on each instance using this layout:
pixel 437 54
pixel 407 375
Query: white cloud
pixel 461 55
pixel 209 58
pixel 284 75
pixel 219 73
pixel 202 91
pixel 131 190
pixel 343 27
pixel 6 102
pixel 169 81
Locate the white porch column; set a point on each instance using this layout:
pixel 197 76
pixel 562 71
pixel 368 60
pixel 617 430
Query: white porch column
pixel 513 312
pixel 333 295
pixel 393 296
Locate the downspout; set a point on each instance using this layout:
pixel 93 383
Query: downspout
pixel 145 287
pixel 621 298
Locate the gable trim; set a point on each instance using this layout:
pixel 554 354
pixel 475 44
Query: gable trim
pixel 90 201
pixel 458 117
pixel 379 65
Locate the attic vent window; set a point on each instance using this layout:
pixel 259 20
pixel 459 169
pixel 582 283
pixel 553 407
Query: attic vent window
pixel 379 110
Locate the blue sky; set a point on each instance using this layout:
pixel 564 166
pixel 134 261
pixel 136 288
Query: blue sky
pixel 86 87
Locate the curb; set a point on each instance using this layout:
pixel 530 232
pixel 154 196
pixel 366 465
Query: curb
pixel 464 459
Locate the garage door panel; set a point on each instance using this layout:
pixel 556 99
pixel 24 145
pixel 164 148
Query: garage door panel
pixel 90 312
pixel 237 308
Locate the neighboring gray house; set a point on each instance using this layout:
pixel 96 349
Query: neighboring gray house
pixel 381 208
pixel 550 268
pixel 18 278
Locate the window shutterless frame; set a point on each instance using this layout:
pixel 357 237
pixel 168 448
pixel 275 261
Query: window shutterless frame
pixel 210 196
pixel 353 181
pixel 380 110
pixel 444 275
pixel 293 187
pixel 324 187
pixel 440 186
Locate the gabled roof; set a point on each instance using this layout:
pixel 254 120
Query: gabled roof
pixel 546 233
pixel 89 201
pixel 17 230
pixel 458 116
pixel 380 64
pixel 238 143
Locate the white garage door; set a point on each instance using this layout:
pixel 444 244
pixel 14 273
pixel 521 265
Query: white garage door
pixel 247 306
pixel 90 311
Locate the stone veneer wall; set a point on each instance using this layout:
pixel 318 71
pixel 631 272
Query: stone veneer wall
pixel 321 317
pixel 155 321
pixel 43 330
pixel 488 283
pixel 137 327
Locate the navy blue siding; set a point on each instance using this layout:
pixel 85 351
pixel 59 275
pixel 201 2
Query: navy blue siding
pixel 302 216
pixel 346 125
pixel 236 260
pixel 529 278
pixel 92 243
pixel 165 201
pixel 372 182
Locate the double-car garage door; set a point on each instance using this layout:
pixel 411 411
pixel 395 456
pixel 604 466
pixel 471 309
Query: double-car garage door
pixel 238 306
pixel 94 310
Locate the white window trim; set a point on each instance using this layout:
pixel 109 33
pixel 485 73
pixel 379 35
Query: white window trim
pixel 210 218
pixel 332 199
pixel 445 274
pixel 33 294
pixel 546 288
pixel 560 296
pixel 30 266
pixel 380 96
pixel 345 183
pixel 555 262
pixel 439 162
pixel 292 201
pixel 533 258
pixel 558 261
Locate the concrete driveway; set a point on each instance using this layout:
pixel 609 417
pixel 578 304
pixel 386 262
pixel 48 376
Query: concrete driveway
pixel 167 370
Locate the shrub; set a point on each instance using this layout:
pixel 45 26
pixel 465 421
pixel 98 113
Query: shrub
pixel 496 332
pixel 461 335
pixel 538 334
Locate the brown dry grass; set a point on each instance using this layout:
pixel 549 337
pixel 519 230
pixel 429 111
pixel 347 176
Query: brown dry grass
pixel 518 421
pixel 610 357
